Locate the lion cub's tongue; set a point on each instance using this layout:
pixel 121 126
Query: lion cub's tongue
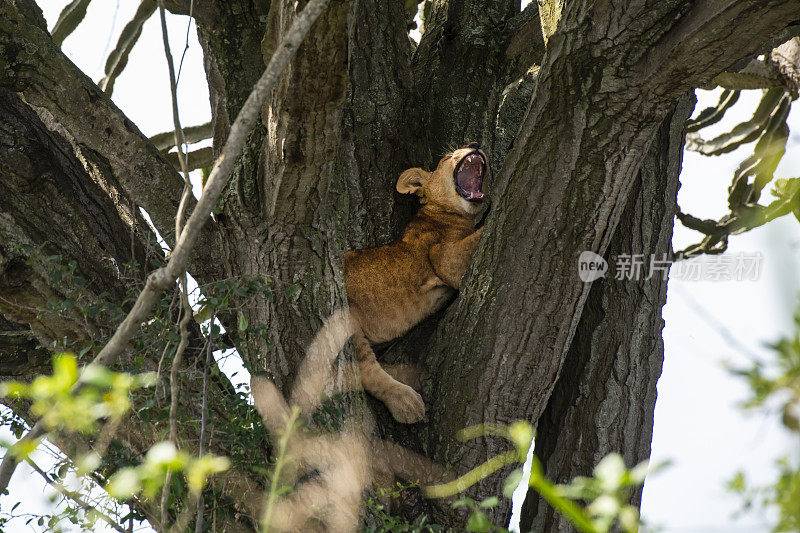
pixel 470 176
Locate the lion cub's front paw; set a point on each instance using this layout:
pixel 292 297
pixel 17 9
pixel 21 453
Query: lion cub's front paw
pixel 405 404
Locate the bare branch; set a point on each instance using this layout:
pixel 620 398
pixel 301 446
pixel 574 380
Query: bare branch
pixel 747 218
pixel 200 158
pixel 192 134
pixel 712 115
pixel 769 126
pixel 774 104
pixel 71 104
pixel 756 75
pixel 707 38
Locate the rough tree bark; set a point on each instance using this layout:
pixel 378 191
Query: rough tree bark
pixel 52 212
pixel 604 399
pixel 585 149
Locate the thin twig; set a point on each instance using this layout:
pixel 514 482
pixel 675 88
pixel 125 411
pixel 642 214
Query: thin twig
pixel 186 47
pixel 164 277
pixel 186 309
pixel 179 140
pixel 198 523
pixel 165 501
pixel 75 497
pixel 174 386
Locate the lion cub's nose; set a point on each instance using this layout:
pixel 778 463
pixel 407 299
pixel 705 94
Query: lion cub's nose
pixel 473 145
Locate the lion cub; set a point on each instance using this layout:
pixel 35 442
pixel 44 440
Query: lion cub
pixel 392 288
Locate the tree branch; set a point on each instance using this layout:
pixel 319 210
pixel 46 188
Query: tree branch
pixel 200 158
pixel 185 307
pixel 708 37
pixel 165 277
pixel 62 242
pixel 75 497
pixel 193 134
pixel 72 104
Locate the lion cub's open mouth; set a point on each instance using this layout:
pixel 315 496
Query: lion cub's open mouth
pixel 468 177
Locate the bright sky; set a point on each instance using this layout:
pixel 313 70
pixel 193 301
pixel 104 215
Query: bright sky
pixel 698 424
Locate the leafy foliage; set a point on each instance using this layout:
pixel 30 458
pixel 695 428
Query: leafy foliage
pixel 596 504
pixel 62 405
pixel 72 401
pixel 388 523
pixel 776 382
pixel 163 457
pixel 768 126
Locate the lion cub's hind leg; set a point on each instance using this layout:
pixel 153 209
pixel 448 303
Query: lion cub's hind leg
pixel 404 403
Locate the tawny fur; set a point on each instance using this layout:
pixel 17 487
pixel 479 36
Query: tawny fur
pixel 392 288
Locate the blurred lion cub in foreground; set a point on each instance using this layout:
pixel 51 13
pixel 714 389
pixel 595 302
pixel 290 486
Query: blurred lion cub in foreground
pixel 390 289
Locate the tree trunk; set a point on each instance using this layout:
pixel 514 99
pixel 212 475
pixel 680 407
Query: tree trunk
pixel 585 151
pixel 605 395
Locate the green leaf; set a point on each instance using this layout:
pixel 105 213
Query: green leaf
pixel 738 484
pixel 124 484
pixel 712 115
pixel 512 482
pixel 463 502
pixel 98 376
pixel 242 322
pixel 743 133
pixel 522 434
pixel 203 467
pixel 65 370
pixel 68 20
pixel 488 503
pixel 478 522
pixel 292 291
pixel 118 58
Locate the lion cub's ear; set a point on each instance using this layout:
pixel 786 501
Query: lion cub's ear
pixel 412 180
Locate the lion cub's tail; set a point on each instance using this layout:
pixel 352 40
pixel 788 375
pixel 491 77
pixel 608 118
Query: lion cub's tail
pixel 315 370
pixel 313 378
